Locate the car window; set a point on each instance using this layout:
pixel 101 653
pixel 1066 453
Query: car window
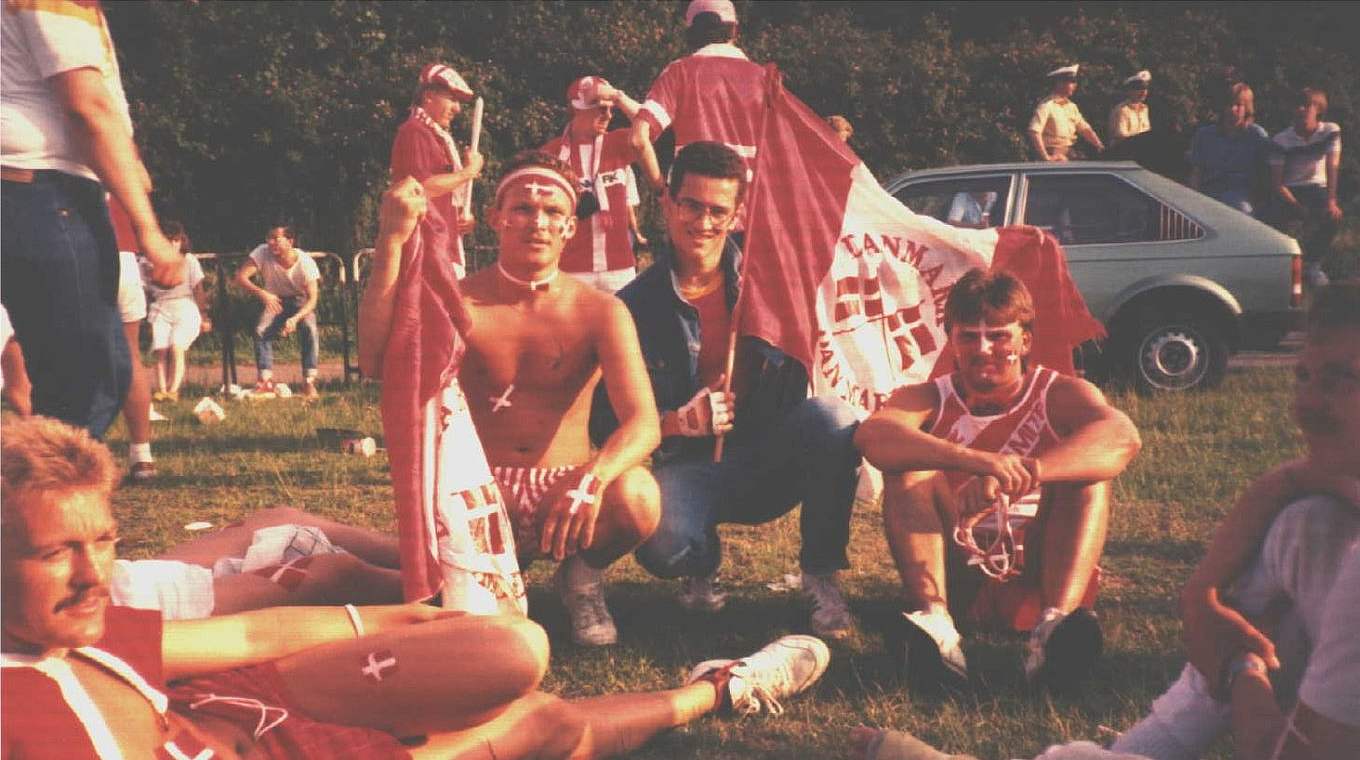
pixel 979 202
pixel 1082 209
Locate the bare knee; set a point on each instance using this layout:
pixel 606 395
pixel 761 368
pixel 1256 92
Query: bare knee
pixel 521 646
pixel 910 501
pixel 561 725
pixel 635 504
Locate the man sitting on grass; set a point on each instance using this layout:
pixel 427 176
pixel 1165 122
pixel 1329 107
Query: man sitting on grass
pixel 1288 553
pixel 997 428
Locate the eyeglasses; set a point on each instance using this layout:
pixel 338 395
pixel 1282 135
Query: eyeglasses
pixel 691 210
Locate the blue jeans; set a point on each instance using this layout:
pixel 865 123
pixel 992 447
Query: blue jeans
pixel 306 332
pixel 807 456
pixel 59 282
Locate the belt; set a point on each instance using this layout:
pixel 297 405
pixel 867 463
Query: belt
pixel 17 175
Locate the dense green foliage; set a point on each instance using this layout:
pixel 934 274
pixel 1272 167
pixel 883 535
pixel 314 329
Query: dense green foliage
pixel 249 113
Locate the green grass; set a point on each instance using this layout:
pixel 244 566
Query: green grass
pixel 1198 451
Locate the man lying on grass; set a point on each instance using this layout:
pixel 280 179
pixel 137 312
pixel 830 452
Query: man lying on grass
pixel 84 679
pixel 1287 557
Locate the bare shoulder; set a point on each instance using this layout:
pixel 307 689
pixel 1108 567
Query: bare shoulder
pixel 1068 392
pixel 921 398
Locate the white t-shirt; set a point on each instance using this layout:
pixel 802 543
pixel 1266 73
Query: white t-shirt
pixel 285 282
pixel 1331 685
pixel 193 275
pixel 1305 159
pixel 39 40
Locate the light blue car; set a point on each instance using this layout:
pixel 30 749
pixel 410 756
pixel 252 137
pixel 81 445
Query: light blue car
pixel 1180 280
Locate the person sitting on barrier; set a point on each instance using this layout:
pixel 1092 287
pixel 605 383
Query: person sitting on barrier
pixel 177 316
pixel 289 296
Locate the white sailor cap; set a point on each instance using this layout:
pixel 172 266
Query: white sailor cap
pixel 1139 80
pixel 1065 71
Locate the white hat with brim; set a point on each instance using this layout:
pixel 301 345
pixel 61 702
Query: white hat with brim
pixel 726 12
pixel 1065 71
pixel 1139 80
pixel 441 75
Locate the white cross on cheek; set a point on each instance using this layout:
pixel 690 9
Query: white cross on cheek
pixel 502 401
pixel 375 667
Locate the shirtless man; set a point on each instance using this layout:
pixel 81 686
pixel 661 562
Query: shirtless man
pixel 997 428
pixel 537 346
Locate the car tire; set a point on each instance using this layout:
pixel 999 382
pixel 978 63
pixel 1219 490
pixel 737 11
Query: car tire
pixel 1174 351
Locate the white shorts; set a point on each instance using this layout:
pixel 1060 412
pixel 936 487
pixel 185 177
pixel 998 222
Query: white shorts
pixel 174 322
pixel 609 282
pixel 131 296
pixel 180 591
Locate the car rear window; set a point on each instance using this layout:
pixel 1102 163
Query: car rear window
pixel 1084 209
pixel 977 202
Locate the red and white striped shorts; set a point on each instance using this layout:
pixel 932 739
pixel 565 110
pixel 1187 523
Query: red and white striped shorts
pixel 523 489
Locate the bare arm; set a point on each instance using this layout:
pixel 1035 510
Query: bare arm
pixel 18 390
pixel 204 305
pixel 1282 190
pixel 646 152
pixel 1096 441
pixel 1036 140
pixel 630 394
pixel 98 125
pixel 1258 723
pixel 402 206
pixel 309 305
pixel 437 185
pixel 1333 166
pixel 193 647
pixel 1090 136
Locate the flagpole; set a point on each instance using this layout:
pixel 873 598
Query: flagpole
pixel 473 147
pixel 772 84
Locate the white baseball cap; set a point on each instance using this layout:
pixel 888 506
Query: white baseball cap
pixel 444 76
pixel 727 13
pixel 584 93
pixel 1065 71
pixel 1140 79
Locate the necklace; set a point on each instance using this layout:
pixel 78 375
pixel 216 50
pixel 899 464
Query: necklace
pixel 532 285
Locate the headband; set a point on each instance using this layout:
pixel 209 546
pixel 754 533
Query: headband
pixel 555 179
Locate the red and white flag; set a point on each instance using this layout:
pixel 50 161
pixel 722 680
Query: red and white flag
pixel 453 531
pixel 843 277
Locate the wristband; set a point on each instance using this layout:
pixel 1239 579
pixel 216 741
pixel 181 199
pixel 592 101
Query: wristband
pixel 355 621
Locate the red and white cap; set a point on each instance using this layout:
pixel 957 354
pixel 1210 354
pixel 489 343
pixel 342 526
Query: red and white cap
pixel 584 93
pixel 727 13
pixel 444 76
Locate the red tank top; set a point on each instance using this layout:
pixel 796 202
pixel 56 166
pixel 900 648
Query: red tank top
pixel 1023 429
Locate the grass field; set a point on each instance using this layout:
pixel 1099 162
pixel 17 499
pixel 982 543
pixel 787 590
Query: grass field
pixel 1198 451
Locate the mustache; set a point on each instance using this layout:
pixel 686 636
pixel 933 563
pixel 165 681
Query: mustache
pixel 75 600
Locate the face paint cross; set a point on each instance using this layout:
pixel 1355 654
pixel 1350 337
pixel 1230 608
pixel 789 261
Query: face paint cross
pixel 535 188
pixel 498 403
pixel 378 662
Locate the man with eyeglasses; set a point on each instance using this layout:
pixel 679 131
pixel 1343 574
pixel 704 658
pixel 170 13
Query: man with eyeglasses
pixel 601 253
pixel 782 448
pixel 537 346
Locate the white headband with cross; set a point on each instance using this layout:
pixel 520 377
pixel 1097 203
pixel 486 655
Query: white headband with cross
pixel 535 188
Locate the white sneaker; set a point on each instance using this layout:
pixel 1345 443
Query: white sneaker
pixel 582 593
pixel 830 615
pixel 780 670
pixel 1063 647
pixel 930 650
pixel 701 594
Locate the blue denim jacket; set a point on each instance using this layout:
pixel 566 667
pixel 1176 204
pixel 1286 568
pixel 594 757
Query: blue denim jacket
pixel 668 331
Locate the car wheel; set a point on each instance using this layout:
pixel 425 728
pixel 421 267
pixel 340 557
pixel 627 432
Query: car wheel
pixel 1176 352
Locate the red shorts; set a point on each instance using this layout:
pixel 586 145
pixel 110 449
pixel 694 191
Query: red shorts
pixel 523 489
pixel 1016 603
pixel 253 698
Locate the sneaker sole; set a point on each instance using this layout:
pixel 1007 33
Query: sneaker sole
pixel 919 661
pixel 1071 650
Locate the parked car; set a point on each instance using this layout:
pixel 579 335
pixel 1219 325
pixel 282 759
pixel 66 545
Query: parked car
pixel 1180 280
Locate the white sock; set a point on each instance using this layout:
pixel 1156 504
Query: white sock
pixel 266 374
pixel 581 575
pixel 139 452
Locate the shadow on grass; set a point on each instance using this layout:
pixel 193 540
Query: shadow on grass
pixel 1181 550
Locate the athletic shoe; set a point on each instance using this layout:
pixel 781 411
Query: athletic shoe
pixel 1063 648
pixel 701 594
pixel 263 387
pixel 142 473
pixel 759 682
pixel 830 615
pixel 309 390
pixel 591 623
pixel 928 650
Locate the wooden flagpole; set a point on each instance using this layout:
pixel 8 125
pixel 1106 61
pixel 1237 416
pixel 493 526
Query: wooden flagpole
pixel 473 146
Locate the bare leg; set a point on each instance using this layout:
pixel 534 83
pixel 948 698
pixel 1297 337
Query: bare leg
pixel 542 726
pixel 1075 517
pixel 369 545
pixel 403 681
pixel 326 579
pixel 176 368
pixel 918 510
pixel 162 373
pixel 628 516
pixel 137 403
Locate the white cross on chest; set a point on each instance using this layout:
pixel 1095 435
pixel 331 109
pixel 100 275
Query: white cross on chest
pixel 502 401
pixel 375 667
